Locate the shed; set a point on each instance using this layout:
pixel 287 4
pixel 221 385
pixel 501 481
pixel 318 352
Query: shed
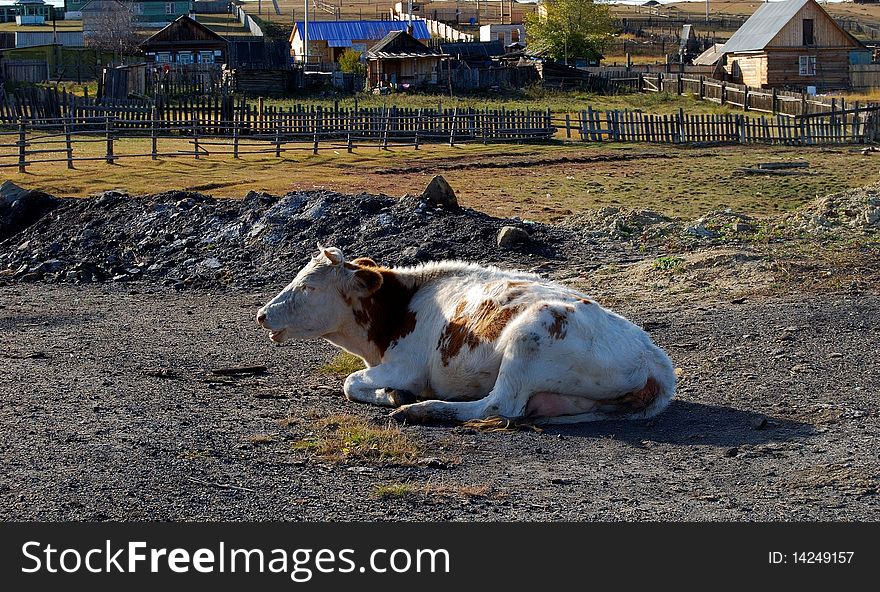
pixel 711 56
pixel 329 39
pixel 793 44
pixel 401 59
pixel 185 41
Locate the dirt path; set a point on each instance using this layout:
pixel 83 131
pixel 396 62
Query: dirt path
pixel 108 412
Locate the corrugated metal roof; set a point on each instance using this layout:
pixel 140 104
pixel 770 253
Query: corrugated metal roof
pixel 711 56
pixel 344 33
pixel 763 25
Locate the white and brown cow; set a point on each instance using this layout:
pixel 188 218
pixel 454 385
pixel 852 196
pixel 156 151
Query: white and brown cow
pixel 470 342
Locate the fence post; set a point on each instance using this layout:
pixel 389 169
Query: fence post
pixel 702 87
pixel 195 134
pixel 452 127
pixel 418 127
pixel 108 132
pixel 567 126
pixel 746 98
pixel 67 142
pixel 154 122
pixel 723 91
pixel 773 101
pixel 236 122
pixel 277 136
pixel 22 142
pixel 680 121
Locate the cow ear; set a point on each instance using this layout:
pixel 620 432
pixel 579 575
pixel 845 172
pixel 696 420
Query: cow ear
pixel 368 279
pixel 365 262
pixel 333 255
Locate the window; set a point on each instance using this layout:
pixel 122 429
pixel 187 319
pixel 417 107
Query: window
pixel 163 57
pixel 808 32
pixel 514 35
pixel 169 8
pixel 807 65
pixel 206 57
pixel 185 58
pixel 139 8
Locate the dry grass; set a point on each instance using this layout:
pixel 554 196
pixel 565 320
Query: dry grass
pixel 432 491
pixel 260 439
pixel 500 424
pixel 342 365
pixel 676 181
pixel 343 438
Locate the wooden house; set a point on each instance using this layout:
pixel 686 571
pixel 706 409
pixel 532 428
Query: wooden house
pixel 185 41
pixel 402 60
pixel 329 39
pixel 793 44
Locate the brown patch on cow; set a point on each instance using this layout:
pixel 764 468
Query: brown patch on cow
pixel 559 328
pixel 643 397
pixel 385 313
pixel 585 301
pixel 514 290
pixel 365 262
pixel 485 325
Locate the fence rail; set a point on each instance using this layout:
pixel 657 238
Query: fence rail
pixel 773 101
pixel 858 126
pixel 94 135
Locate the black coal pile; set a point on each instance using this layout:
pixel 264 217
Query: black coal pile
pixel 185 238
pixel 19 208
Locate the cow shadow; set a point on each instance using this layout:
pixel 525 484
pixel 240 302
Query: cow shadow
pixel 687 423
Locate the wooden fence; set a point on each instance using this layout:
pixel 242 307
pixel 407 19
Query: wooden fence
pixel 857 125
pixel 94 132
pixel 275 131
pixel 738 95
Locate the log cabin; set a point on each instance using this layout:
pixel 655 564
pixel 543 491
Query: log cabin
pixel 793 45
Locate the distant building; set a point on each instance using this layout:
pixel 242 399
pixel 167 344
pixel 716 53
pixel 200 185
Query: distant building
pixel 793 44
pixel 329 39
pixel 185 41
pixel 147 13
pixel 402 60
pixel 32 12
pixel 506 34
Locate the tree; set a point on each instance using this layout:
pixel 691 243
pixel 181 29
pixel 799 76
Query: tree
pixel 561 29
pixel 112 29
pixel 350 61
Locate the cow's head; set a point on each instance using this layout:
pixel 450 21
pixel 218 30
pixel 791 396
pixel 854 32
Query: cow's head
pixel 319 299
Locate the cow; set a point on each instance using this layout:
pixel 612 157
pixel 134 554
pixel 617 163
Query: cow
pixel 456 341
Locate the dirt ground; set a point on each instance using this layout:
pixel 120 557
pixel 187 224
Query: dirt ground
pixel 109 412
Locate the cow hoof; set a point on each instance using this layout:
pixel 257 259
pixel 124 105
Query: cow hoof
pixel 399 398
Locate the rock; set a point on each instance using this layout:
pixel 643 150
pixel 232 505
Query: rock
pixel 211 263
pixel 758 423
pixel 509 236
pixel 700 231
pixel 731 452
pixel 439 193
pixel 50 266
pixel 743 227
pixel 20 208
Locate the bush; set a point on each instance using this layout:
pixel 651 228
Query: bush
pixel 350 61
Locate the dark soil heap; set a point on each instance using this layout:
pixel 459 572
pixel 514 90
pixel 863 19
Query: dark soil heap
pixel 185 238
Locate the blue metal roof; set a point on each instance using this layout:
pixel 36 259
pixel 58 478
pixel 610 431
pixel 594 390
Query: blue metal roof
pixel 345 33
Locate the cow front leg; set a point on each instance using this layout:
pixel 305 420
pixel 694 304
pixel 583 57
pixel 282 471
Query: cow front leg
pixel 380 385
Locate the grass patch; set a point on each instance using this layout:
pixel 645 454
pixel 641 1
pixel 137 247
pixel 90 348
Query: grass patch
pixel 668 263
pixel 342 364
pixel 342 438
pixel 434 491
pixel 394 490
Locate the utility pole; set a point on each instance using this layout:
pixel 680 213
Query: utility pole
pixel 707 11
pixel 306 35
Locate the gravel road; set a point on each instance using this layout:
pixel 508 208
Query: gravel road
pixel 109 412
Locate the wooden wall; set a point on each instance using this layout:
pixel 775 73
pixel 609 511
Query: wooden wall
pixel 832 69
pixel 750 70
pixel 825 32
pixel 780 68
